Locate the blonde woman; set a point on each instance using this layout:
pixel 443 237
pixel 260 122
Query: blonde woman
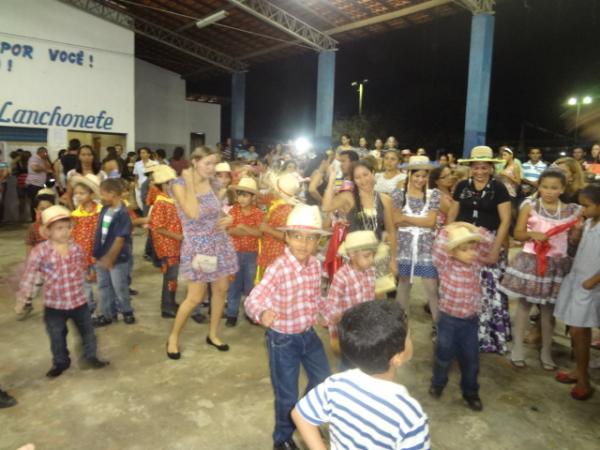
pixel 575 178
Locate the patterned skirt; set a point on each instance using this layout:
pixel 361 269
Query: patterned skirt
pixel 494 319
pixel 521 279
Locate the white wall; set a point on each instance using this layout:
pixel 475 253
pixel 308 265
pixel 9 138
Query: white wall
pixel 163 117
pixel 97 84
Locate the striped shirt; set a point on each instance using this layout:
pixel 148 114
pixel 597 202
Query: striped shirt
pixel 366 413
pixel 106 220
pixel 532 172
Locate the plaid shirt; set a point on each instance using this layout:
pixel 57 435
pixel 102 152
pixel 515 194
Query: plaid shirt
pixel 460 284
pixel 348 288
pixel 63 276
pixel 292 290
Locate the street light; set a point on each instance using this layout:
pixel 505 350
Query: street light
pixel 360 85
pixel 576 101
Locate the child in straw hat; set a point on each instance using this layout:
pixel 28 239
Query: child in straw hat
pixel 62 264
pixel 244 232
pixel 287 302
pixel 458 252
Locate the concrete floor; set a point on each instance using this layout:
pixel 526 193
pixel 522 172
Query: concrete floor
pixel 211 400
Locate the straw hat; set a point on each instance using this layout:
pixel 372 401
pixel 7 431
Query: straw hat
pixel 223 167
pixel 358 240
pixel 459 235
pixel 54 213
pixel 246 184
pixel 305 218
pixel 163 174
pixel 46 191
pixel 481 153
pixel 420 162
pixel 385 284
pixel 287 187
pixel 90 180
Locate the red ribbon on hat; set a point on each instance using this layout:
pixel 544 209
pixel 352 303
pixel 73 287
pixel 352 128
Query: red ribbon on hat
pixel 542 248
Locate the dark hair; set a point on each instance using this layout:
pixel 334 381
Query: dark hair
pixel 96 166
pixel 351 154
pixel 371 333
pixel 139 151
pixel 367 165
pixel 74 144
pixel 315 163
pixel 178 153
pixel 535 148
pixel 41 149
pixel 111 151
pixel 161 153
pixel 434 176
pixel 405 196
pixel 112 185
pixel 591 192
pixel 287 163
pixel 61 153
pixel 43 198
pixel 553 173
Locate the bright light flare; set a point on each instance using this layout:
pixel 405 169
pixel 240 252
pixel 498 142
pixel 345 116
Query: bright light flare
pixel 302 145
pixel 587 100
pixel 572 101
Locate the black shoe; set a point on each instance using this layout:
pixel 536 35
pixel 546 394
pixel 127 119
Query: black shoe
pixel 199 318
pixel 129 318
pixel 231 322
pixel 427 309
pixel 221 348
pixel 168 314
pixel 435 392
pixel 473 402
pixel 101 321
pixel 176 355
pixel 6 400
pixel 95 363
pixel 133 292
pixel 55 371
pixel 287 445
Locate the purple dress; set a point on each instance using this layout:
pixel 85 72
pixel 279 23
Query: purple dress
pixel 200 237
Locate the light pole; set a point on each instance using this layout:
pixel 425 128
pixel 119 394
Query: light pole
pixel 360 87
pixel 578 102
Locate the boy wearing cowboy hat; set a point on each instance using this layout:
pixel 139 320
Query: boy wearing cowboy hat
pixel 62 264
pixel 458 253
pixel 287 302
pixel 244 232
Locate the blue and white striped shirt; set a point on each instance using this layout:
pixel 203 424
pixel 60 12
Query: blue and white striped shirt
pixel 366 413
pixel 532 172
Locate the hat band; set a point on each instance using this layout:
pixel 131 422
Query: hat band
pixel 282 191
pixel 303 227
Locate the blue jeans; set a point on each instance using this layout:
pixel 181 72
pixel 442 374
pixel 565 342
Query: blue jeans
pixel 457 338
pixel 56 326
pixel 286 353
pixel 243 283
pixel 89 291
pixel 113 287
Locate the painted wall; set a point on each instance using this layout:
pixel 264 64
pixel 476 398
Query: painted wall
pixel 64 69
pixel 163 117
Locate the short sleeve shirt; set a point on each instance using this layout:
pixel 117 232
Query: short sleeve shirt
pixel 254 219
pixel 478 208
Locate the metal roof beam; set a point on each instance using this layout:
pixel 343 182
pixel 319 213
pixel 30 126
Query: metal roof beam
pixel 478 6
pixel 281 19
pixel 157 33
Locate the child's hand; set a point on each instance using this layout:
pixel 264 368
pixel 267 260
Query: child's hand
pixel 589 284
pixel 105 263
pixel 537 236
pixel 267 318
pixel 224 222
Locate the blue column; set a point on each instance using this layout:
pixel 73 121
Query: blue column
pixel 325 93
pixel 480 70
pixel 238 106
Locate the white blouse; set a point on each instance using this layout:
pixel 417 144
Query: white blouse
pixel 387 185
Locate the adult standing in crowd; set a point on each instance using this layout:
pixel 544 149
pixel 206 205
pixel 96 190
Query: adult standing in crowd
pixel 38 169
pixel 69 159
pixel 579 156
pixel 139 173
pixel 575 179
pixel 178 161
pixel 391 177
pixel 532 170
pixel 317 170
pixel 484 202
pixel 207 253
pixel 595 154
pixel 87 163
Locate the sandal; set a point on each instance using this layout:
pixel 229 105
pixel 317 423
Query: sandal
pixel 518 363
pixel 548 367
pixel 565 378
pixel 581 394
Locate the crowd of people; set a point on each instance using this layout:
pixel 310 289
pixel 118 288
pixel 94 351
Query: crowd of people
pixel 294 241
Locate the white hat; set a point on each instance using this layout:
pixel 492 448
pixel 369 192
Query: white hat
pixel 358 240
pixel 163 174
pixel 90 180
pixel 287 187
pixel 246 184
pixel 460 234
pixel 54 213
pixel 418 162
pixel 223 167
pixel 481 153
pixel 305 218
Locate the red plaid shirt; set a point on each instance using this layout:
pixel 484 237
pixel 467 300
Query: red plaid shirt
pixel 460 284
pixel 253 220
pixel 292 290
pixel 63 276
pixel 348 288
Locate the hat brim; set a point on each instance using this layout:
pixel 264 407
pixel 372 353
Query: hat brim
pixel 451 245
pixel 309 230
pixel 417 166
pixel 78 179
pixel 487 160
pixel 243 189
pixel 343 250
pixel 385 284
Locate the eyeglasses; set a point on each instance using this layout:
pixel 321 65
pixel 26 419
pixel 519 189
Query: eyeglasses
pixel 305 237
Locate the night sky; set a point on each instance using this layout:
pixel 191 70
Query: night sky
pixel 544 52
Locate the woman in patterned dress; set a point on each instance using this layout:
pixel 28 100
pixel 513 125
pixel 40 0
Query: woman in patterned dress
pixel 207 253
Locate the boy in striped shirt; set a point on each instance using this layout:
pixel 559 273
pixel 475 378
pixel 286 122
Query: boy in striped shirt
pixel 364 407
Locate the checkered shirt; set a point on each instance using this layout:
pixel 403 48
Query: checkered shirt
pixel 63 276
pixel 292 290
pixel 460 283
pixel 348 288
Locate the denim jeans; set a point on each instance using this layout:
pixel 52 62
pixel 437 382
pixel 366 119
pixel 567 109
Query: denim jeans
pixel 286 353
pixel 243 282
pixel 114 290
pixel 168 303
pixel 89 291
pixel 56 326
pixel 457 338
